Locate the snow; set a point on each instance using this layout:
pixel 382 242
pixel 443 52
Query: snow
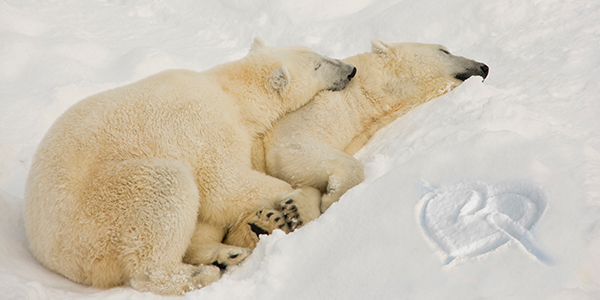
pixel 468 219
pixel 535 120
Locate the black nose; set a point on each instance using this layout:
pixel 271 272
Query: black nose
pixel 352 74
pixel 485 69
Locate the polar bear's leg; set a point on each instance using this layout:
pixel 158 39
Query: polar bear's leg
pixel 309 162
pixel 148 207
pixel 345 173
pixel 206 248
pixel 271 204
pixel 291 211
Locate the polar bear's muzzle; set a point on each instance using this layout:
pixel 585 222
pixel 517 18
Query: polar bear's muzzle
pixel 342 83
pixel 342 74
pixel 472 68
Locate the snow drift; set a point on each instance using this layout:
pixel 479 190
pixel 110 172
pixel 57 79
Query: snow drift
pixel 534 121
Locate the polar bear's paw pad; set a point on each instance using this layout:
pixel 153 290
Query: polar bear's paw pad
pixel 290 212
pixel 267 220
pixel 300 206
pixel 262 221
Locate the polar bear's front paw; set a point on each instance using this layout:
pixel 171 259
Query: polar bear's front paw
pixel 290 212
pixel 300 206
pixel 267 220
pixel 231 256
pixel 261 221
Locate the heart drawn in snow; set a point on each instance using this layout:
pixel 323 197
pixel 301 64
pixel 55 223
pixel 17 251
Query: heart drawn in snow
pixel 468 219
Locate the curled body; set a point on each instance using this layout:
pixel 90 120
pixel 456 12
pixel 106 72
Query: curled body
pixel 151 184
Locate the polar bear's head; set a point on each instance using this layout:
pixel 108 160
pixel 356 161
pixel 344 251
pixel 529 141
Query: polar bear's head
pixel 422 71
pixel 296 74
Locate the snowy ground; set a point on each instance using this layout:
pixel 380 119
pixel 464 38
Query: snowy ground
pixel 528 136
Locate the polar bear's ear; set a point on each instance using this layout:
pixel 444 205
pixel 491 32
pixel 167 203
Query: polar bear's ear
pixel 280 79
pixel 257 44
pixel 379 47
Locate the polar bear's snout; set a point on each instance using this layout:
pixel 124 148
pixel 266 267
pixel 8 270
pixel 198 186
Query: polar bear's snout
pixel 473 68
pixel 350 70
pixel 485 69
pixel 352 74
pixel 339 71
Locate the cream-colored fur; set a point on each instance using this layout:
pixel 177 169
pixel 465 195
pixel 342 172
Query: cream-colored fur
pixel 129 182
pixel 314 145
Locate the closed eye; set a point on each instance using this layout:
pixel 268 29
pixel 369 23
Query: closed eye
pixel 445 51
pixel 317 66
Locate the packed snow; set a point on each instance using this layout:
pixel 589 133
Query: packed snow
pixel 468 219
pixel 489 192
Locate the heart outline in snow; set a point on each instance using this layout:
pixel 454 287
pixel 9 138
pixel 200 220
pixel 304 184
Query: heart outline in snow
pixel 468 219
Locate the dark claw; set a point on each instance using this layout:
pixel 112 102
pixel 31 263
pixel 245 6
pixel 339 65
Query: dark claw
pixel 257 230
pixel 269 215
pixel 221 266
pixel 277 219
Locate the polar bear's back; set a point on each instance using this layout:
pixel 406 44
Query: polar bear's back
pixel 158 117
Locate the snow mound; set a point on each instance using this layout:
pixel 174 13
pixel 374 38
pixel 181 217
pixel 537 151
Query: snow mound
pixel 524 145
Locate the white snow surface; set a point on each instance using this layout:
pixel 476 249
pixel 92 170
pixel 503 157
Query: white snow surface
pixel 535 120
pixel 468 219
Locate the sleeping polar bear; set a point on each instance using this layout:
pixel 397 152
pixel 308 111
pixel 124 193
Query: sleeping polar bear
pixel 129 181
pixel 313 146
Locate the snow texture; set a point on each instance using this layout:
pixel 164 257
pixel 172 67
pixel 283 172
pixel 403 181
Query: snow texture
pixel 533 127
pixel 468 219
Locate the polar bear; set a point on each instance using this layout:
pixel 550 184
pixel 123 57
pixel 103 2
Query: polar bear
pixel 142 184
pixel 313 146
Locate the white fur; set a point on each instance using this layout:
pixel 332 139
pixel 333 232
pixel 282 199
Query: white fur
pixel 129 181
pixel 314 145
